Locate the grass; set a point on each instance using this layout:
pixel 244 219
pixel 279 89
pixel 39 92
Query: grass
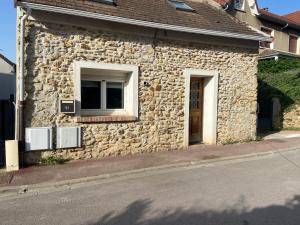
pixel 52 160
pixel 292 128
pixel 259 138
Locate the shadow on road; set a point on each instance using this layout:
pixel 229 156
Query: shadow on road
pixel 288 214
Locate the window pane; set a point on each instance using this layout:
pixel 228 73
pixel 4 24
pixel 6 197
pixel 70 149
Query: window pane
pixel 183 6
pixel 90 94
pixel 114 95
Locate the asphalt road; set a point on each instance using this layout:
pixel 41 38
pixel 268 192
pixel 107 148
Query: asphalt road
pixel 258 191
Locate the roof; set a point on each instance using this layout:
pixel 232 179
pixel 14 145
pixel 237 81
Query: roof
pixel 272 53
pixel 7 60
pixel 283 20
pixel 292 19
pixel 205 16
pixel 295 17
pixel 224 2
pixel 278 17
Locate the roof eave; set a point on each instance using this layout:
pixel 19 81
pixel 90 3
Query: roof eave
pixel 278 54
pixel 74 12
pixel 278 21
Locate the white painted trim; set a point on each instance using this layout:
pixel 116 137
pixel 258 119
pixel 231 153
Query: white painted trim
pixel 132 87
pixel 143 23
pixel 210 106
pixel 253 7
pixel 242 7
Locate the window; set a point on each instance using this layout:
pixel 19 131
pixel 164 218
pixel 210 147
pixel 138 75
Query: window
pixel 92 96
pixel 266 44
pixel 239 4
pixel 106 89
pixel 293 44
pixel 181 6
pixel 109 2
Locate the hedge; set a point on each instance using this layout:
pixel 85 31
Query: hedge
pixel 279 78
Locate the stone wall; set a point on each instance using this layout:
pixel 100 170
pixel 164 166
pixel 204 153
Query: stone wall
pixel 52 50
pixel 291 119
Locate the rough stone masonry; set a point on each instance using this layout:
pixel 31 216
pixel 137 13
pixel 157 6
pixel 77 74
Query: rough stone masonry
pixel 52 48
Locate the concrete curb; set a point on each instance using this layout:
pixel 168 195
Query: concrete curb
pixel 43 188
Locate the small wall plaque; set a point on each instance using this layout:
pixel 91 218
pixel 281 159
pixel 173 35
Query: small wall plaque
pixel 67 106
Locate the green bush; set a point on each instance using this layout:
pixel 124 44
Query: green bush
pixel 279 78
pixel 52 160
pixel 278 66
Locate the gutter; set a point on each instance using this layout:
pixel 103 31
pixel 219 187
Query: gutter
pixel 280 53
pixel 279 21
pixel 74 12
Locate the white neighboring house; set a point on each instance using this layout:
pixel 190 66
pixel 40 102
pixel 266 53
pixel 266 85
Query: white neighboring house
pixel 7 78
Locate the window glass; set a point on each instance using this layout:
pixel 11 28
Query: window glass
pixel 90 94
pixel 114 95
pixel 181 6
pixel 239 4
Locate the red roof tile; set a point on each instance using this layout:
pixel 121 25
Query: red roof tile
pixel 295 17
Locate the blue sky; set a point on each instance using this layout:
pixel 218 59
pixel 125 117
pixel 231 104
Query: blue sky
pixel 8 21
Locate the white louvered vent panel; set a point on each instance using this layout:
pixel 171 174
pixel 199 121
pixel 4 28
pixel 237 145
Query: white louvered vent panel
pixel 68 137
pixel 39 138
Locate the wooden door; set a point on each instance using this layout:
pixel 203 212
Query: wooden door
pixel 196 110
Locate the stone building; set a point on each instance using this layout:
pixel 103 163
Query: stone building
pixel 145 75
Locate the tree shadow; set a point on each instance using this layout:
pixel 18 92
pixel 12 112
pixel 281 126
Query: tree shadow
pixel 135 214
pixel 266 93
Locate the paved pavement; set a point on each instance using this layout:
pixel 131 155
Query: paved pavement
pixel 257 191
pixel 281 135
pixel 93 168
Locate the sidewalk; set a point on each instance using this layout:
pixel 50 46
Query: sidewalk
pixel 90 168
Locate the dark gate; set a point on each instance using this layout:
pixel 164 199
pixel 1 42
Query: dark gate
pixel 264 119
pixel 7 126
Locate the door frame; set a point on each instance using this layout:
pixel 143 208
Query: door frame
pixel 210 104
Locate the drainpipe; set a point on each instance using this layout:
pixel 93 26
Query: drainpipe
pixel 226 7
pixel 285 26
pixel 21 88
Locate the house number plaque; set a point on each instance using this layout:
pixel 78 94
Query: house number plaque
pixel 67 106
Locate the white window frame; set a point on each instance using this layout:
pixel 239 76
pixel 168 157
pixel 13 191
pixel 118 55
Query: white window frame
pixel 104 110
pixel 298 43
pixel 272 35
pixel 130 81
pixel 241 7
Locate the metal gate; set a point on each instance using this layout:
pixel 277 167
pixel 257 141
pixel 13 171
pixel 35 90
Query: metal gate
pixel 7 126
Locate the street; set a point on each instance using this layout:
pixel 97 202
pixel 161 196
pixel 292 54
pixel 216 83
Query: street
pixel 257 191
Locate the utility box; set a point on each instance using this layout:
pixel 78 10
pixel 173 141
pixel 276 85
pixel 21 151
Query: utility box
pixel 68 137
pixel 39 138
pixel 12 155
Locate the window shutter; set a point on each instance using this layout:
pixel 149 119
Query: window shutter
pixel 293 44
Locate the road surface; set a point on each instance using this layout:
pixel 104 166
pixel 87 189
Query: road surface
pixel 259 191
